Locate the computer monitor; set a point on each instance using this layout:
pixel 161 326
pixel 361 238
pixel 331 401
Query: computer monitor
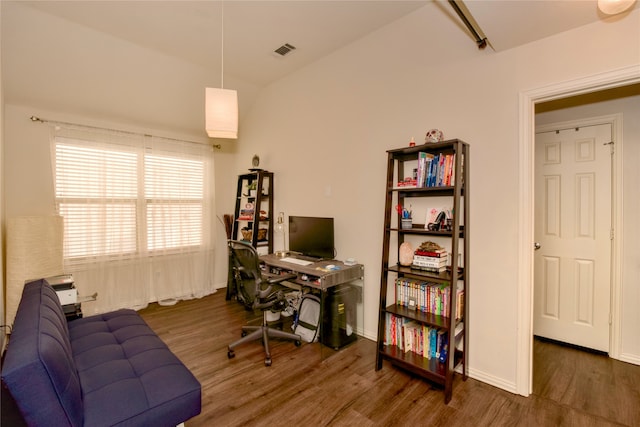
pixel 311 236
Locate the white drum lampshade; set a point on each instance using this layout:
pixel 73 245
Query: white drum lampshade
pixel 613 7
pixel 34 251
pixel 221 113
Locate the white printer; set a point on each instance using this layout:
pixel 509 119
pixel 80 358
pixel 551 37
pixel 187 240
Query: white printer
pixel 65 288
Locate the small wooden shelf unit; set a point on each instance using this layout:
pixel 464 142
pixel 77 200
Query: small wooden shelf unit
pixel 262 200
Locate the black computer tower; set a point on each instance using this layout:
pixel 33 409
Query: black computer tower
pixel 340 316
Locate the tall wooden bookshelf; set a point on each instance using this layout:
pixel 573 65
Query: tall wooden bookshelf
pixel 253 217
pixel 455 238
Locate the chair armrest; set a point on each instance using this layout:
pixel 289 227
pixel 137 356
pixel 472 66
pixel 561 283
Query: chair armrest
pixel 277 278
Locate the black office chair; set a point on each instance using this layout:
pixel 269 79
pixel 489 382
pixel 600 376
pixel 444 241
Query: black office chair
pixel 257 291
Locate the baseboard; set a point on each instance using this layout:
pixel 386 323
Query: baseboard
pixel 372 337
pixel 493 380
pixel 629 358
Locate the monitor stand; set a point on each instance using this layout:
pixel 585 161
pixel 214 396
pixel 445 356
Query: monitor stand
pixel 298 255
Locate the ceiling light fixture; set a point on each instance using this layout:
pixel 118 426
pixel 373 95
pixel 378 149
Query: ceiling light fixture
pixel 613 7
pixel 221 105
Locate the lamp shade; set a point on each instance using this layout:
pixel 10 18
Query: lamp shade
pixel 221 113
pixel 34 251
pixel 612 7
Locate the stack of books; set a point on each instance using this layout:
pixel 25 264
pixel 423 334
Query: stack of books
pixel 436 170
pixel 411 336
pixel 246 214
pixel 434 261
pixel 434 298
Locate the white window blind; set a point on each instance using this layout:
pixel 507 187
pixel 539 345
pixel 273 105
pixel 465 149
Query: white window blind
pixel 174 195
pixel 120 200
pixel 96 193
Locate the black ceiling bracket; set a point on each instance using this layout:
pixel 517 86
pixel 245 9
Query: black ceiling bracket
pixel 464 14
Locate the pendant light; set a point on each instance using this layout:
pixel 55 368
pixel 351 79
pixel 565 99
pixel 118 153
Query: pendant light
pixel 613 7
pixel 221 105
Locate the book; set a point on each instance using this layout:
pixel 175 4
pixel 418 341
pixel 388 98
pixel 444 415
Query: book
pixel 442 346
pixel 442 253
pixel 388 336
pixel 429 269
pixel 421 174
pixel 430 261
pixel 426 353
pixel 459 304
pixel 433 342
pixel 452 172
pixel 410 335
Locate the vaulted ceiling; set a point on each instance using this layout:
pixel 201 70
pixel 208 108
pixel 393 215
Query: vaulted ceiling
pixel 191 30
pixel 47 63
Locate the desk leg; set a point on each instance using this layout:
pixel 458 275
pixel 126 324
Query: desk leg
pixel 231 291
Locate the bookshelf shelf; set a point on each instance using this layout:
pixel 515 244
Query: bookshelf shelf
pixel 441 297
pixel 420 229
pixel 431 369
pixel 440 322
pixel 426 275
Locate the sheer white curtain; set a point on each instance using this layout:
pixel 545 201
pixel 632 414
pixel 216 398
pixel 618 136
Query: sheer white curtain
pixel 138 214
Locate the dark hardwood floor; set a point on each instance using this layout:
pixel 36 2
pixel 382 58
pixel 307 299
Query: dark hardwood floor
pixel 571 387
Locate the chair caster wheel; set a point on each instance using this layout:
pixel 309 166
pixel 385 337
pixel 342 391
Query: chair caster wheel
pixel 297 343
pixel 231 354
pixel 267 361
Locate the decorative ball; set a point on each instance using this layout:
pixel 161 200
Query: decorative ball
pixel 434 135
pixel 406 254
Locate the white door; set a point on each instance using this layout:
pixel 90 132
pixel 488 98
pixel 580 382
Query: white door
pixel 573 203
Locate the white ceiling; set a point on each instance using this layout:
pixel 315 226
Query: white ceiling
pixel 191 30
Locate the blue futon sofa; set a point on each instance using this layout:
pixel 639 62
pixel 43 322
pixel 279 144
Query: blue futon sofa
pixel 105 370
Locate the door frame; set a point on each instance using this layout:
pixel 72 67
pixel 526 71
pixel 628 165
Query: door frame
pixel 615 269
pixel 526 142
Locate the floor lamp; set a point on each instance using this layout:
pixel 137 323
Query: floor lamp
pixel 34 251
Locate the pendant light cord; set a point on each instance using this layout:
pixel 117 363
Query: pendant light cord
pixel 222 45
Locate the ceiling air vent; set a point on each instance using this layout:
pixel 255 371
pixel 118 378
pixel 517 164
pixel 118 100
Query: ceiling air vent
pixel 284 49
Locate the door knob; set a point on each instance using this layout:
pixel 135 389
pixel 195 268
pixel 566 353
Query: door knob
pixel 536 246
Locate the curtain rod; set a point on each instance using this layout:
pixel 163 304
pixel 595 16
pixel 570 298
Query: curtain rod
pixel 38 119
pixel 576 128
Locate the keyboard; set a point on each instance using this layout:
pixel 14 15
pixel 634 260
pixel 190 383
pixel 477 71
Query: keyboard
pixel 296 261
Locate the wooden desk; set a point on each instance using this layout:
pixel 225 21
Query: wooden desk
pixel 316 274
pixel 331 286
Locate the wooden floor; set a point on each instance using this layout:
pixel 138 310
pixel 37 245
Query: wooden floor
pixel 571 387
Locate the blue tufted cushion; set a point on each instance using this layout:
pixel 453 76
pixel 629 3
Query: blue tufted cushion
pixel 128 374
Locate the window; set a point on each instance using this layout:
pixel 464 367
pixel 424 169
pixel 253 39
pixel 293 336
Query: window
pixel 118 199
pixel 173 195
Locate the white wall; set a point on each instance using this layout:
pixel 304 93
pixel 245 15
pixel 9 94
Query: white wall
pixel 324 132
pixel 630 292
